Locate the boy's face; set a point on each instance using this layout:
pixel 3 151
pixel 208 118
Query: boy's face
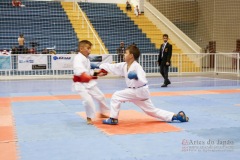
pixel 85 50
pixel 127 56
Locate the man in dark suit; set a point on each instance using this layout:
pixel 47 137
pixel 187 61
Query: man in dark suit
pixel 164 59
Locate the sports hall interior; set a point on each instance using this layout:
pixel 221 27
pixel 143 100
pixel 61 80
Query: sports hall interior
pixel 41 118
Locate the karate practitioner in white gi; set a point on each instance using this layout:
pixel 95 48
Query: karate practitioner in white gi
pixel 137 90
pixel 85 84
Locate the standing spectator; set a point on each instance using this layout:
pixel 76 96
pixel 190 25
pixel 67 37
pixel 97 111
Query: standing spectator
pixel 21 43
pixel 128 6
pixel 164 59
pixel 137 11
pixel 120 52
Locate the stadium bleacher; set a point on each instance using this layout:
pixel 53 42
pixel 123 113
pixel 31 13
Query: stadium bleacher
pixel 42 22
pixel 114 26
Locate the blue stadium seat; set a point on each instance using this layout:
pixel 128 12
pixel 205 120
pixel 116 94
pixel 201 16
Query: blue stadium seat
pixel 114 26
pixel 43 22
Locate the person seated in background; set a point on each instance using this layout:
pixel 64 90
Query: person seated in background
pixel 52 52
pixel 128 6
pixel 17 3
pixel 5 52
pixel 137 11
pixel 32 51
pixel 14 50
pixel 45 51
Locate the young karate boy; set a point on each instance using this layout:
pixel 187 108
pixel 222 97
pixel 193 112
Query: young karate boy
pixel 85 84
pixel 137 89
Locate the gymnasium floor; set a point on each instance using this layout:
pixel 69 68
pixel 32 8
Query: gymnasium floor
pixel 44 120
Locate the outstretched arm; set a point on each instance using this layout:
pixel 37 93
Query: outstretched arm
pixel 116 69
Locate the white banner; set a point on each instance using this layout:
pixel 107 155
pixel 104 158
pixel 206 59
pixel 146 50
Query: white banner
pixel 32 62
pixel 62 61
pixel 59 62
pixel 65 61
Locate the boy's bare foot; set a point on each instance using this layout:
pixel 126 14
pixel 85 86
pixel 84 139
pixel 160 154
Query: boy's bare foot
pixel 101 115
pixel 89 121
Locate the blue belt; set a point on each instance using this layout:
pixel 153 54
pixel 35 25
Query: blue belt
pixel 138 87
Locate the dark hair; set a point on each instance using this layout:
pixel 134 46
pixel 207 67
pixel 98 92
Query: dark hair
pixel 134 50
pixel 165 35
pixel 83 43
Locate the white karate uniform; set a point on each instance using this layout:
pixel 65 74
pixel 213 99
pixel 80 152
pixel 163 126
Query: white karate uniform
pixel 88 91
pixel 137 91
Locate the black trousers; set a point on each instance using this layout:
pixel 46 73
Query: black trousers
pixel 164 72
pixel 20 49
pixel 120 58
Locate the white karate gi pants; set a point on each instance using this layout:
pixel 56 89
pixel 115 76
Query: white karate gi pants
pixel 88 94
pixel 140 97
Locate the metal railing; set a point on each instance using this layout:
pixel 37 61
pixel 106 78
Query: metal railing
pixel 77 8
pixel 181 64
